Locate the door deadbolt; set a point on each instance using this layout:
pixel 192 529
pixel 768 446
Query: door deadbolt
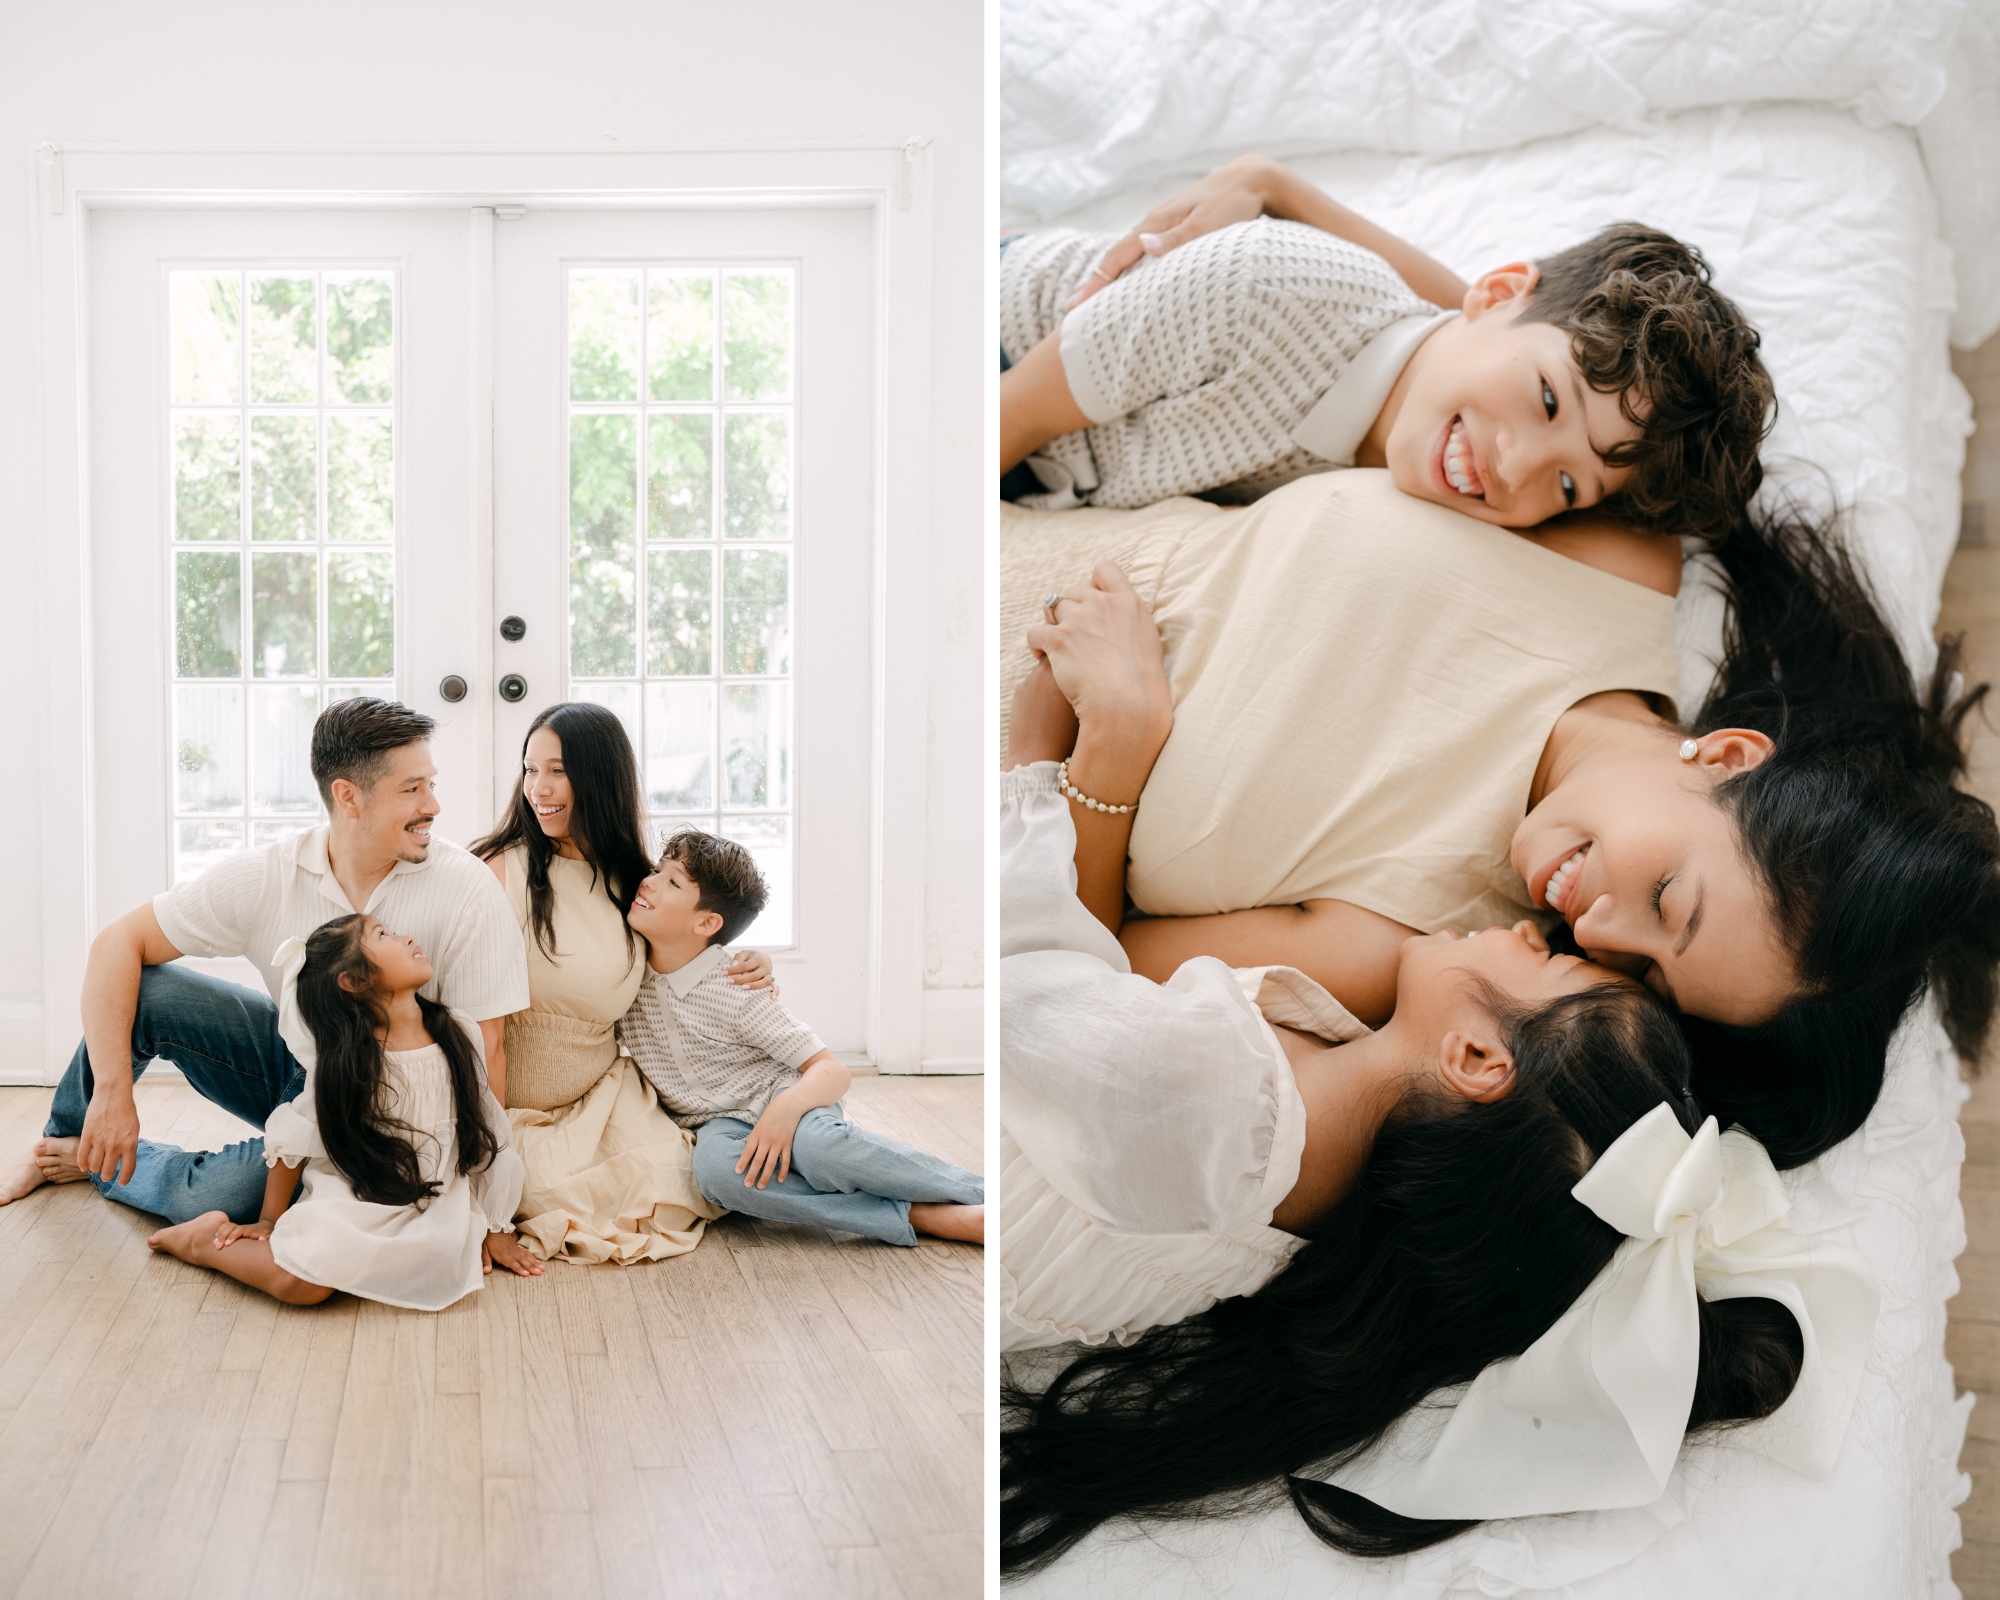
pixel 452 690
pixel 513 687
pixel 513 629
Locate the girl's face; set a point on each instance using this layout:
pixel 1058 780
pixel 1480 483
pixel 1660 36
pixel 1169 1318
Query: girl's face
pixel 398 961
pixel 1443 1010
pixel 1631 849
pixel 544 784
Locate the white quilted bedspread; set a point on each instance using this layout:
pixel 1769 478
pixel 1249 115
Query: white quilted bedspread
pixel 1826 231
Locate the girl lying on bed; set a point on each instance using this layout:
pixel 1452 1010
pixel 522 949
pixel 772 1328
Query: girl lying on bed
pixel 1377 718
pixel 411 1180
pixel 1284 1233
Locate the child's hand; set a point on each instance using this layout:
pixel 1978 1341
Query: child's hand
pixel 1239 192
pixel 230 1232
pixel 767 1153
pixel 751 969
pixel 506 1250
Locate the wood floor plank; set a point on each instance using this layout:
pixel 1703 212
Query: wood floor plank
pixel 649 1432
pixel 315 1416
pixel 508 1536
pixel 822 1493
pixel 555 1451
pixel 618 1525
pixel 291 1539
pixel 453 1558
pixel 504 1450
pixel 236 1534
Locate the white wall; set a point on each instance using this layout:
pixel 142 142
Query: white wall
pixel 520 73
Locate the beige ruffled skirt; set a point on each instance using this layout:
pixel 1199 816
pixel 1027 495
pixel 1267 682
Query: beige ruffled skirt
pixel 610 1176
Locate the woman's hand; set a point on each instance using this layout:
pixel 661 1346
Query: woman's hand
pixel 230 1232
pixel 1238 192
pixel 751 969
pixel 1103 653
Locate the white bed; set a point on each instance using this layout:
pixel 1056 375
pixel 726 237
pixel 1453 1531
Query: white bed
pixel 1803 147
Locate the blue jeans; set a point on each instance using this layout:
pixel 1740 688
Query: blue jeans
pixel 224 1038
pixel 842 1177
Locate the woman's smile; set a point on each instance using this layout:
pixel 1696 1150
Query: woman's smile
pixel 1558 883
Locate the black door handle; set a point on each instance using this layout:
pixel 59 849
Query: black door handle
pixel 513 687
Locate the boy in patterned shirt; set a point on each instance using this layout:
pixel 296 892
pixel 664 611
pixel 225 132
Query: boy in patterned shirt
pixel 757 1087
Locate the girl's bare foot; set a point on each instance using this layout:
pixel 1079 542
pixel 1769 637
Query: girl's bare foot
pixel 24 1177
pixel 193 1241
pixel 966 1224
pixel 57 1159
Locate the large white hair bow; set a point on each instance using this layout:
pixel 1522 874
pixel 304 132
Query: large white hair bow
pixel 289 958
pixel 1591 1416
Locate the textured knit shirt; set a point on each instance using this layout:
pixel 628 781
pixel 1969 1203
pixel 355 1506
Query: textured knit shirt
pixel 711 1047
pixel 249 904
pixel 1196 367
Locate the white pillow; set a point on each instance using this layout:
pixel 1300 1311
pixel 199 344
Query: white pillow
pixel 1099 92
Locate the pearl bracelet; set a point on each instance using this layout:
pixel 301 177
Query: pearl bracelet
pixel 1082 799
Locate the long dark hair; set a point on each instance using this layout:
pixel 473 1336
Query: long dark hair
pixel 606 822
pixel 1882 876
pixel 1459 1244
pixel 363 1139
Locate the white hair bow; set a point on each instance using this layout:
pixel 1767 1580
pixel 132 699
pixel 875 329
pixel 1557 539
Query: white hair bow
pixel 289 958
pixel 1591 1416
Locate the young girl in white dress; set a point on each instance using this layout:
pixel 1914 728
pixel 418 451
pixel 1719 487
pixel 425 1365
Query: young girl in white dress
pixel 410 1177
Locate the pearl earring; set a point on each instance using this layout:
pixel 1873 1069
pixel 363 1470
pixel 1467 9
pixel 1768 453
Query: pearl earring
pixel 1689 749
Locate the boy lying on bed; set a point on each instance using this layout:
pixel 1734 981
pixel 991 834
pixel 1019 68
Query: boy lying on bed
pixel 1270 332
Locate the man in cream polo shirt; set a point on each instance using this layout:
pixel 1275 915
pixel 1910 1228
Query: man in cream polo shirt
pixel 372 762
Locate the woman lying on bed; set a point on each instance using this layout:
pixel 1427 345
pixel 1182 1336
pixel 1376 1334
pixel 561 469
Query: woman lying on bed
pixel 1385 720
pixel 1284 1231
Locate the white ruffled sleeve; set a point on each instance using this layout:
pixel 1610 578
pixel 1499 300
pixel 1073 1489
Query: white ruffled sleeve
pixel 1155 1108
pixel 496 1187
pixel 291 1132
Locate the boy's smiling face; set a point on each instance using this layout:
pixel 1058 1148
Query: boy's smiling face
pixel 1492 417
pixel 666 911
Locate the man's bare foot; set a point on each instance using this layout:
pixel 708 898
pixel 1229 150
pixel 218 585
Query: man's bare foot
pixel 22 1178
pixel 57 1159
pixel 192 1241
pixel 966 1224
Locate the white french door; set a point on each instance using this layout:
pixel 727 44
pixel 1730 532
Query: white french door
pixel 482 467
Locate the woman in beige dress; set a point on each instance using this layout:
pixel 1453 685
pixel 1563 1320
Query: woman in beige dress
pixel 609 1173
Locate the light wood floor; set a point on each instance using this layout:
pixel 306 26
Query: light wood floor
pixel 780 1411
pixel 1972 1336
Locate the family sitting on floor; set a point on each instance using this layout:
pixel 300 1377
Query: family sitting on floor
pixel 649 1081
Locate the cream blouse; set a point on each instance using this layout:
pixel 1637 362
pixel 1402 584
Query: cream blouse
pixel 1363 684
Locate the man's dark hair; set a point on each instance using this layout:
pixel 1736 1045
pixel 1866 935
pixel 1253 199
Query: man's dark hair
pixel 727 876
pixel 1645 325
pixel 353 738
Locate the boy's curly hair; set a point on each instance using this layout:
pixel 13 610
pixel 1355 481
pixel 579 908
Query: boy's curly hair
pixel 1646 325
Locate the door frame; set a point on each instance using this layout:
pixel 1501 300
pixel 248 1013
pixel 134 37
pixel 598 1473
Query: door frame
pixel 892 181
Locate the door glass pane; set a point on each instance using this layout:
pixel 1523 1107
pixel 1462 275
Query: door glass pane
pixel 360 475
pixel 284 477
pixel 281 720
pixel 604 336
pixel 757 475
pixel 360 349
pixel 284 340
pixel 680 608
pixel 603 579
pixel 208 475
pixel 283 522
pixel 207 363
